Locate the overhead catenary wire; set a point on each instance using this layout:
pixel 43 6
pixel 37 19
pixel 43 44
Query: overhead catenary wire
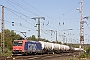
pixel 20 11
pixel 32 7
pixel 36 15
pixel 88 26
pixel 12 5
pixel 28 11
pixel 24 15
pixel 45 14
pixel 14 12
pixel 18 24
pixel 54 27
pixel 16 3
pixel 18 16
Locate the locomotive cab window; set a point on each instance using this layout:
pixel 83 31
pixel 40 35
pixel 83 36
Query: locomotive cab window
pixel 17 43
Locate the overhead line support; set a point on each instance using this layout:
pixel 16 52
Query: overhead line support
pixel 2 31
pixel 81 24
pixel 38 25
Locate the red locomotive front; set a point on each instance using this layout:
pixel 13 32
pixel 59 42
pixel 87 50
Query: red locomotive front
pixel 18 46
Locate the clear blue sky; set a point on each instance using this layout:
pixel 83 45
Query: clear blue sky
pixel 55 12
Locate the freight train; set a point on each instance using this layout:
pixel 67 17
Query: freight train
pixel 27 47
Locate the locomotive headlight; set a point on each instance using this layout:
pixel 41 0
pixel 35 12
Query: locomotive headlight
pixel 20 48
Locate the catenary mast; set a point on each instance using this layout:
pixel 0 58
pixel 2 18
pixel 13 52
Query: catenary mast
pixel 81 24
pixel 2 31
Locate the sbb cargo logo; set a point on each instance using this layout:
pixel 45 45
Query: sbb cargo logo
pixel 31 46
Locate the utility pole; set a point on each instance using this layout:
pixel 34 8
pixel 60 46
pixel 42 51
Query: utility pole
pixel 38 25
pixel 2 31
pixel 51 34
pixel 56 37
pixel 81 24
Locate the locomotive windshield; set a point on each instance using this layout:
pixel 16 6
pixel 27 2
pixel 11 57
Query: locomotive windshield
pixel 17 43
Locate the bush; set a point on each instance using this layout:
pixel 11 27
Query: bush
pixel 83 55
pixel 88 51
pixel 7 52
pixel 72 59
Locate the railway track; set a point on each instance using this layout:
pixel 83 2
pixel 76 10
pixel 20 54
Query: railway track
pixel 41 57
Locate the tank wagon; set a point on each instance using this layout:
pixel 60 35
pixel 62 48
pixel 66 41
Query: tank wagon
pixel 34 47
pixel 56 48
pixel 47 47
pixel 79 49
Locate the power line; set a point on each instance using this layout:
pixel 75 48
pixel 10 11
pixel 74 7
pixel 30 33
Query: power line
pixel 14 12
pixel 19 25
pixel 40 12
pixel 31 6
pixel 12 5
pixel 45 14
pixel 20 12
pixel 17 15
pixel 28 11
pixel 88 26
pixel 68 11
pixel 22 7
pixel 53 27
pixel 37 10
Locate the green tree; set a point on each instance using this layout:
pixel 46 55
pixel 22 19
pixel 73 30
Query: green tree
pixel 44 40
pixel 9 36
pixel 7 39
pixel 88 51
pixel 14 36
pixel 32 38
pixel 35 39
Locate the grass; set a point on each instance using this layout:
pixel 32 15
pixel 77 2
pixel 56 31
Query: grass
pixel 7 52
